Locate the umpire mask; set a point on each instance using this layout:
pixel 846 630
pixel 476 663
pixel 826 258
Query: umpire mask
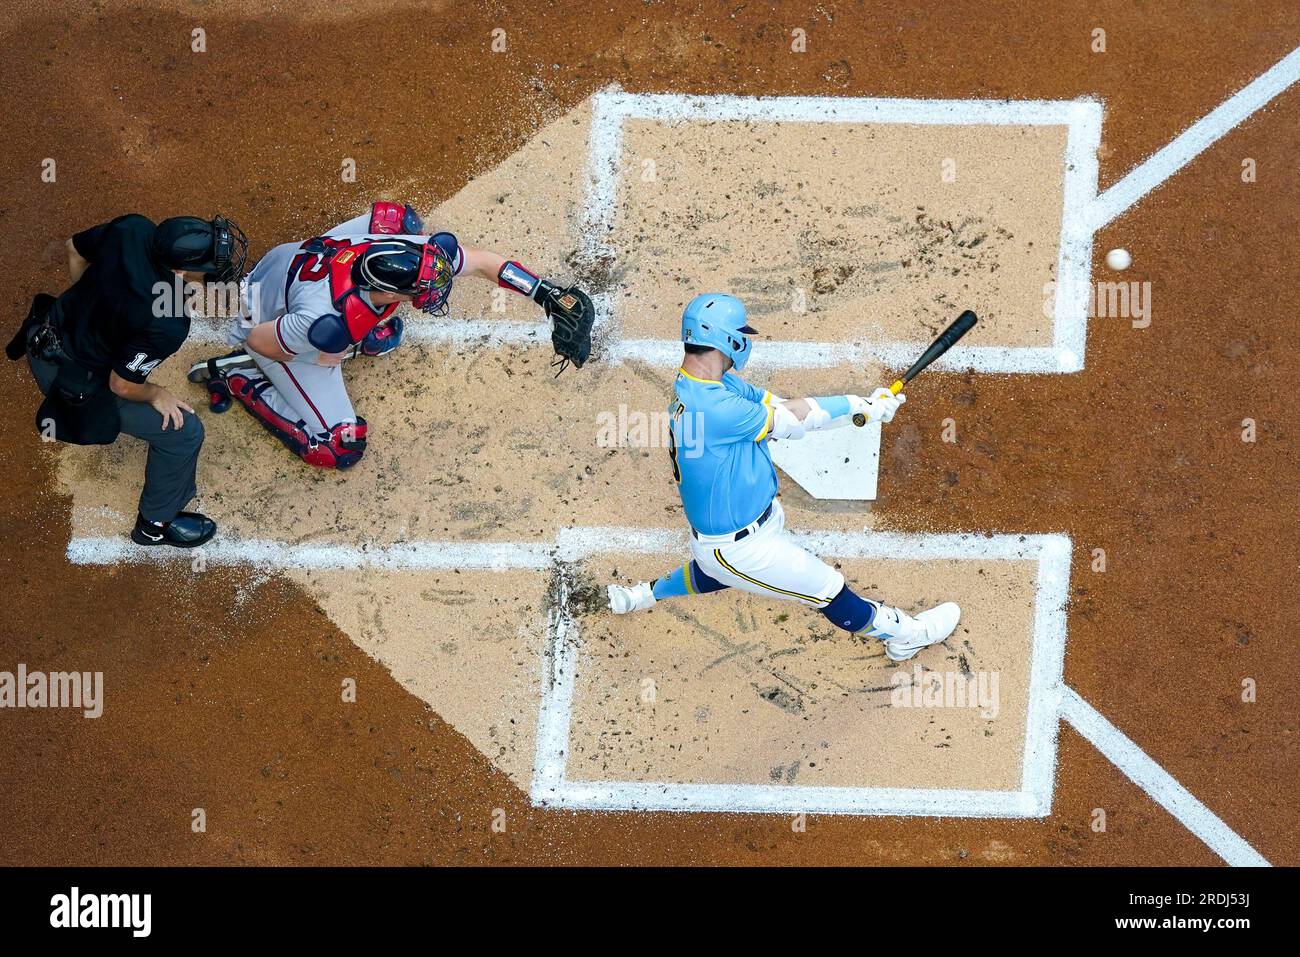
pixel 216 248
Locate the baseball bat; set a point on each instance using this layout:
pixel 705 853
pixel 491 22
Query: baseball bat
pixel 945 341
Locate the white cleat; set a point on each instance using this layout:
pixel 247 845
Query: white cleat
pixel 904 635
pixel 623 599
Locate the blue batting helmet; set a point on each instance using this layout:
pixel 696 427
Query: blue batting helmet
pixel 717 320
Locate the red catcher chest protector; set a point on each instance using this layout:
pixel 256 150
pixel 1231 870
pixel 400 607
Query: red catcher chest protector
pixel 335 257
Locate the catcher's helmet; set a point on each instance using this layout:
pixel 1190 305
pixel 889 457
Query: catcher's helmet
pixel 409 269
pixel 717 320
pixel 216 248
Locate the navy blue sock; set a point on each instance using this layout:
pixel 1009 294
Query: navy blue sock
pixel 846 610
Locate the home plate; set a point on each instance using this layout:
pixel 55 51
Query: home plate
pixel 834 464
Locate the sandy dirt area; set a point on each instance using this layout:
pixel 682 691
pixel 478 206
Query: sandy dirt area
pixel 736 689
pixel 829 230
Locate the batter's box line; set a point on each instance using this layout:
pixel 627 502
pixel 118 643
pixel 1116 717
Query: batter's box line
pixel 1050 701
pixel 612 107
pixel 667 353
pixel 552 787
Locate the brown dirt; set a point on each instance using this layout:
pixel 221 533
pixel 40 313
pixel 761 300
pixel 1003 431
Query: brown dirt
pixel 226 691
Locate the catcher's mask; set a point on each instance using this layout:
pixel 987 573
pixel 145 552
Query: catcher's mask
pixel 216 248
pixel 406 268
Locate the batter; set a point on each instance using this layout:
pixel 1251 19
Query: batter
pixel 308 306
pixel 728 488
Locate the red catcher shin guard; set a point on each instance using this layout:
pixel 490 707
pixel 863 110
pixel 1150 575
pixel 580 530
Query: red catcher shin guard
pixel 340 448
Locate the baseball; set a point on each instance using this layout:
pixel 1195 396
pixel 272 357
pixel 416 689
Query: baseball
pixel 1118 259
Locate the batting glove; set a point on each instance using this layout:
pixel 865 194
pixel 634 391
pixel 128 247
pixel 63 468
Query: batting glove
pixel 880 407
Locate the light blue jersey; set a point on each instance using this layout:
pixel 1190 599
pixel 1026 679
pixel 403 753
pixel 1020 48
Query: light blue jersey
pixel 720 456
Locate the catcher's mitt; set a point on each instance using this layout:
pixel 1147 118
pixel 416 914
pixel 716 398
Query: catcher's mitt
pixel 571 314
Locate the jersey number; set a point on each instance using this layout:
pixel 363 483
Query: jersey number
pixel 310 266
pixel 141 364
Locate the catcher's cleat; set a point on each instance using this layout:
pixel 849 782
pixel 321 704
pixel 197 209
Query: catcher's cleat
pixel 218 366
pixel 219 397
pixel 904 635
pixel 637 598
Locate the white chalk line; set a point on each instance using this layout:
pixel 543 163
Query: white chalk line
pixel 784 799
pixel 570 544
pixel 552 788
pixel 1046 669
pixel 405 556
pixel 614 105
pixel 1158 783
pixel 995 360
pixel 1193 141
pixel 1074 255
pixel 668 352
pixel 553 716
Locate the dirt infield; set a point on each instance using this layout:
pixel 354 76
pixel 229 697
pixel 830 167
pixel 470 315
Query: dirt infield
pixel 225 687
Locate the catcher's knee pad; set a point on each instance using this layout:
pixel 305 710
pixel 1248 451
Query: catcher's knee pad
pixel 339 448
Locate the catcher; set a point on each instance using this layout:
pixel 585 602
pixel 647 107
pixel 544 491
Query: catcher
pixel 308 306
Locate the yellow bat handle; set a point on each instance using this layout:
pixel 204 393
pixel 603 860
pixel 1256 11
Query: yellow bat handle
pixel 860 420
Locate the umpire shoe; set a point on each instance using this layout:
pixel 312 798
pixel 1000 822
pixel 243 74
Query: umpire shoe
pixel 186 530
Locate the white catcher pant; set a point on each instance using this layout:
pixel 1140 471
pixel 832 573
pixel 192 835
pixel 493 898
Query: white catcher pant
pixel 768 562
pixel 303 390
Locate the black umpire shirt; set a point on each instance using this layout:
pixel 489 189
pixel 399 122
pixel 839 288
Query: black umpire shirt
pixel 124 313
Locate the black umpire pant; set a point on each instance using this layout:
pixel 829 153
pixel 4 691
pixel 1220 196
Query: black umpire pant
pixel 173 454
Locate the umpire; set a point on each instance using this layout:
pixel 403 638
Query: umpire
pixel 91 351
